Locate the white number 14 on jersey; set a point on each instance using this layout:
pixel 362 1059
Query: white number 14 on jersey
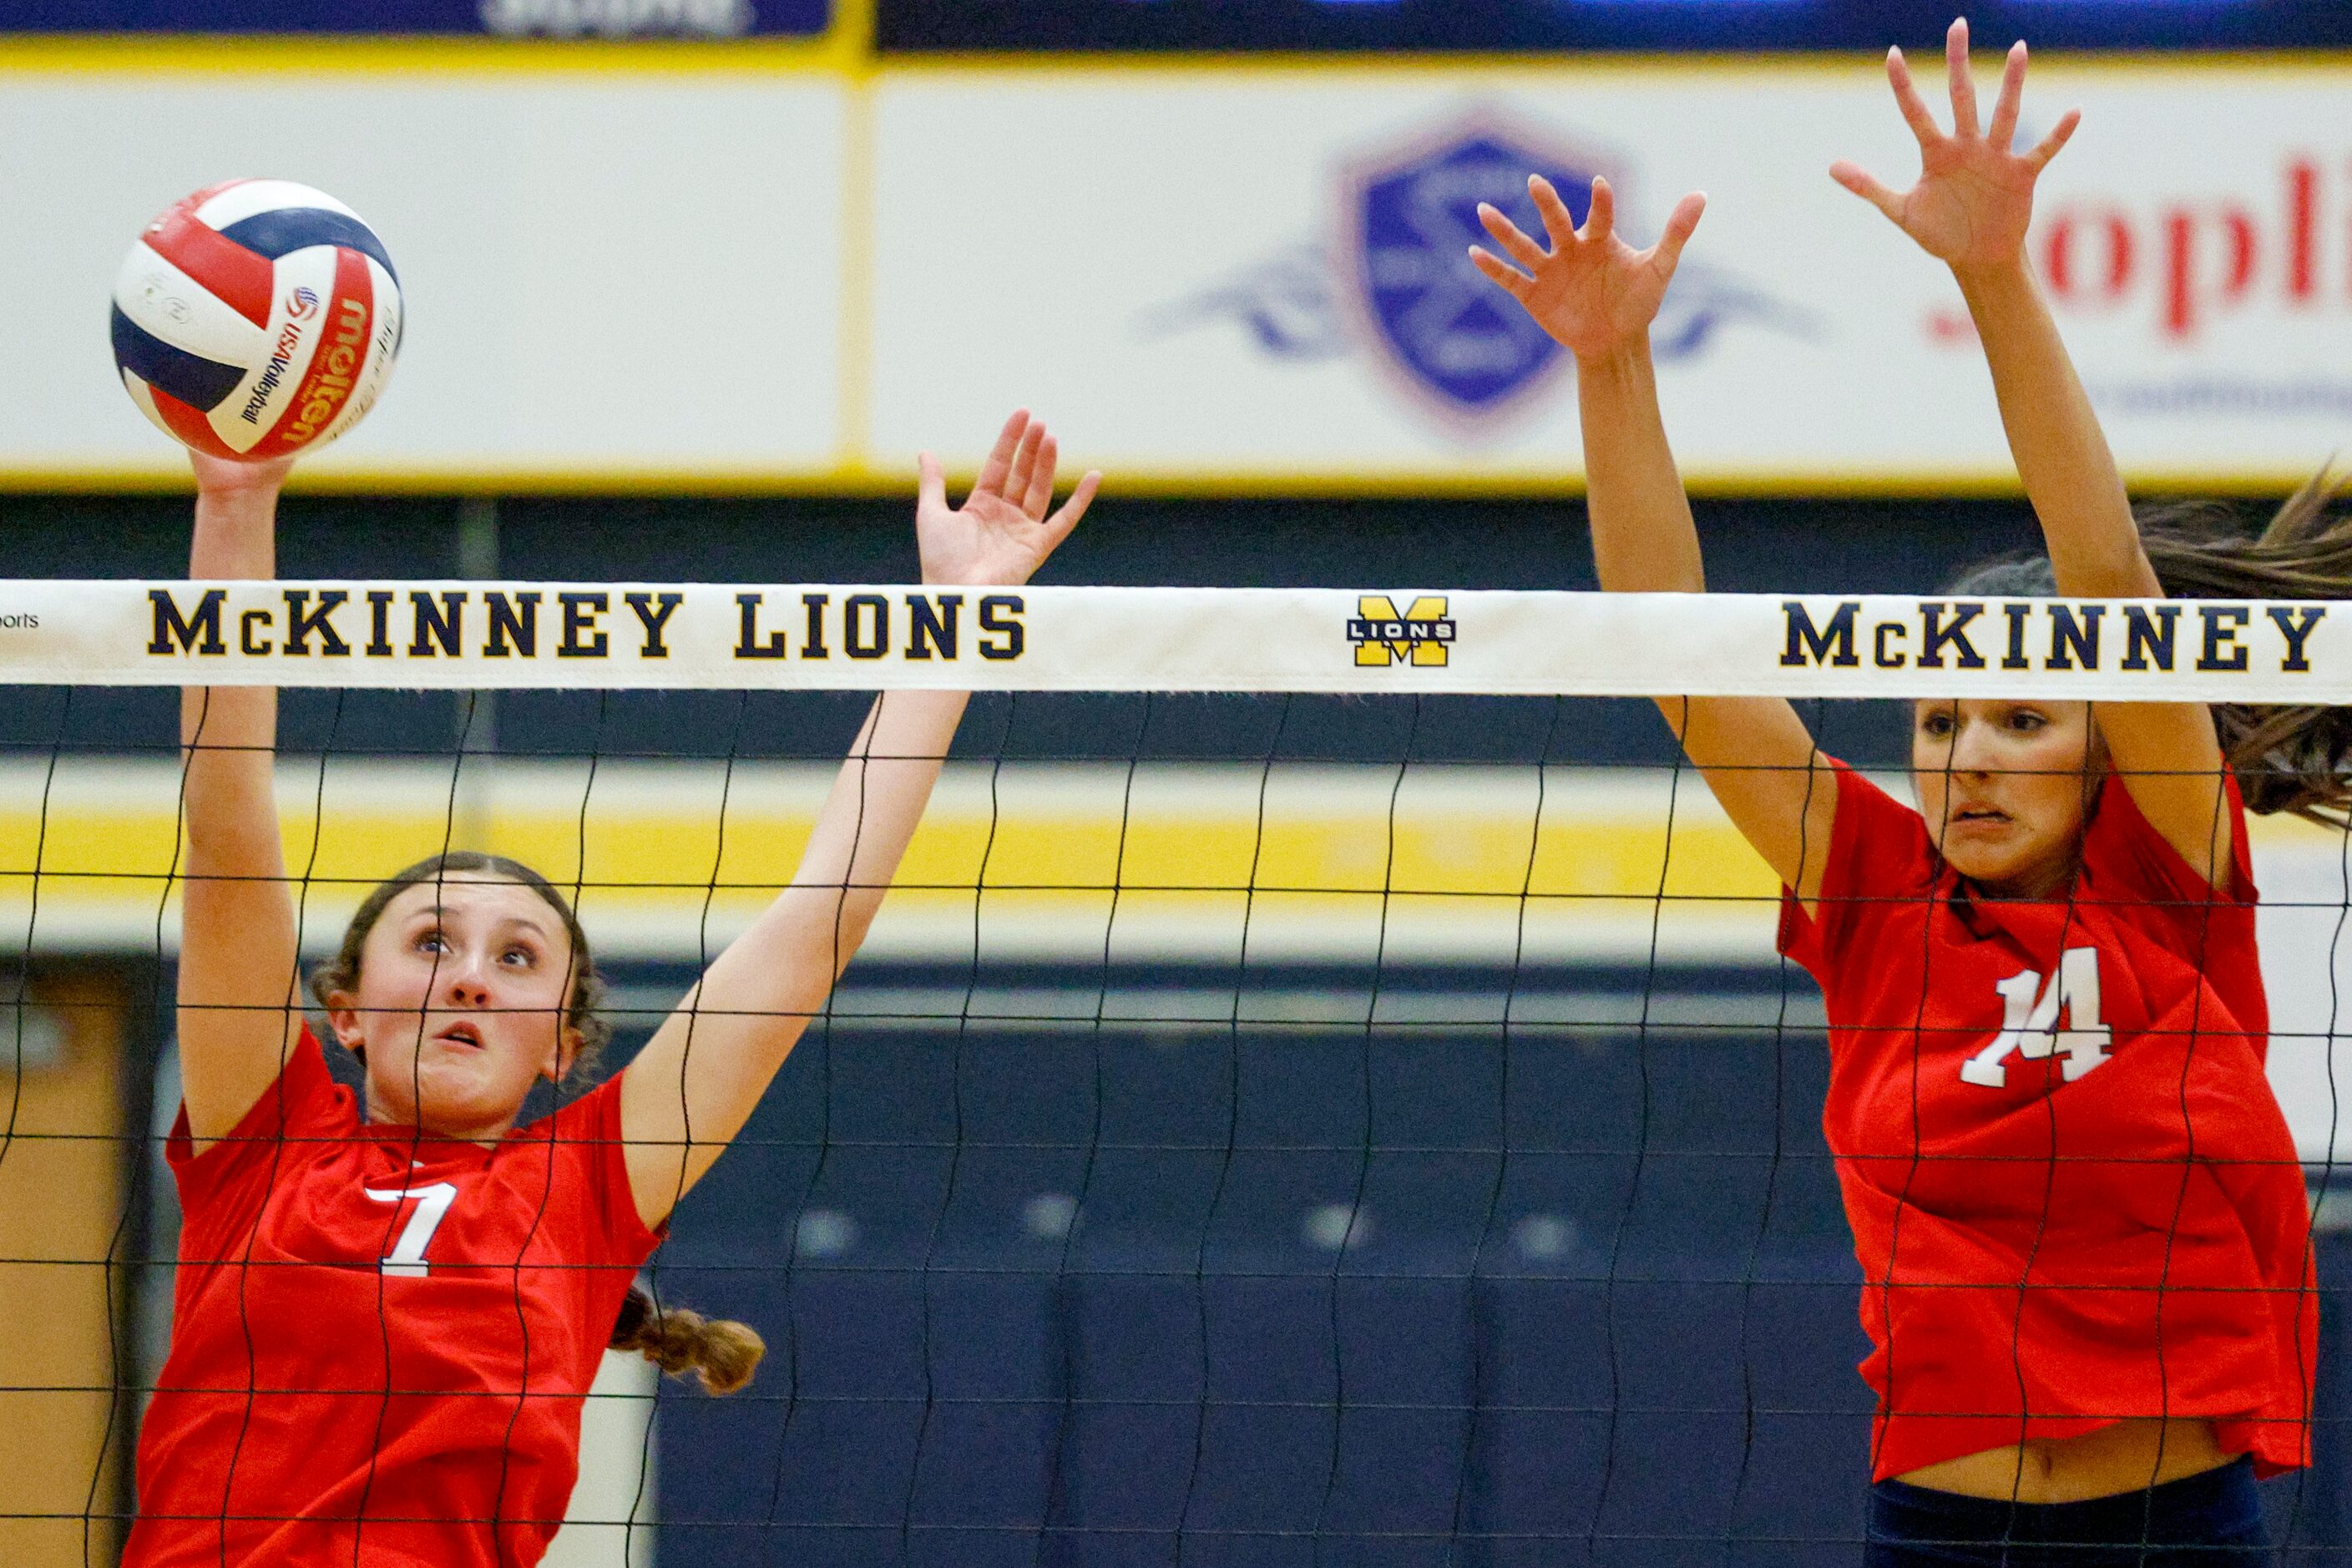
pixel 2029 1023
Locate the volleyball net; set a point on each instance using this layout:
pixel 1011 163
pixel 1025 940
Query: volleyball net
pixel 1321 1087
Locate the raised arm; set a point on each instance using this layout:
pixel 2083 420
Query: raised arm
pixel 1971 210
pixel 698 1079
pixel 1598 296
pixel 239 1009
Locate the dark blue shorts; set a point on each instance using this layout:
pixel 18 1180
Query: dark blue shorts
pixel 2209 1520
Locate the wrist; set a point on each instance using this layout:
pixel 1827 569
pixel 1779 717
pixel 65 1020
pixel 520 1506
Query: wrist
pixel 239 480
pixel 1984 280
pixel 242 509
pixel 975 580
pixel 241 501
pixel 1629 360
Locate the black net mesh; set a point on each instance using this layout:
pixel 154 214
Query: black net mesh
pixel 1261 1130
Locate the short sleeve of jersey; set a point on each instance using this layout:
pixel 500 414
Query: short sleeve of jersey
pixel 1879 851
pixel 593 1161
pixel 2123 851
pixel 224 1187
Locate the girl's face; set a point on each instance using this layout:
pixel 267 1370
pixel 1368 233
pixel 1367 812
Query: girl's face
pixel 460 1007
pixel 2005 787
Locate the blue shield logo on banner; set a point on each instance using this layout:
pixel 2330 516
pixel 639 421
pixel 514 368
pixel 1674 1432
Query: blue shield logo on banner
pixel 1460 343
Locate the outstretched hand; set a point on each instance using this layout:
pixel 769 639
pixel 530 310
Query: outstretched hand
pixel 1002 532
pixel 1974 200
pixel 1591 290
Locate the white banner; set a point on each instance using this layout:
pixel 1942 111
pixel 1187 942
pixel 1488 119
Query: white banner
pixel 466 635
pixel 1249 275
pixel 609 277
pixel 1261 280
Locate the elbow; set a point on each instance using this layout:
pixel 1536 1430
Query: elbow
pixel 847 937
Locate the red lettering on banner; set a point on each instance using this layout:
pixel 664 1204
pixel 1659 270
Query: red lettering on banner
pixel 2062 263
pixel 2185 294
pixel 2190 260
pixel 2303 231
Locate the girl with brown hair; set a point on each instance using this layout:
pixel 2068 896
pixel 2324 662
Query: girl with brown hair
pixel 388 1307
pixel 2077 1206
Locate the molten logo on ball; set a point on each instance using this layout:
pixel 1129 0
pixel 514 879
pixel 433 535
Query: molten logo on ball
pixel 331 376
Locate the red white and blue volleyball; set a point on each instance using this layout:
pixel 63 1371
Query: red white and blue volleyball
pixel 257 318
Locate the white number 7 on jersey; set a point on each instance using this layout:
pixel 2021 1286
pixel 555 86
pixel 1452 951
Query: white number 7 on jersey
pixel 407 1258
pixel 2030 1021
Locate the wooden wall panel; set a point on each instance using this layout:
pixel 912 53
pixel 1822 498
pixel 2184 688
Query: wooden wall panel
pixel 62 1188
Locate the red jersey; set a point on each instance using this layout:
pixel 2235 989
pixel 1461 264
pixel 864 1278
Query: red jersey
pixel 2073 1194
pixel 380 1341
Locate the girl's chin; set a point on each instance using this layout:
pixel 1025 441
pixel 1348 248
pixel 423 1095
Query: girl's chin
pixel 1979 861
pixel 2003 871
pixel 448 1095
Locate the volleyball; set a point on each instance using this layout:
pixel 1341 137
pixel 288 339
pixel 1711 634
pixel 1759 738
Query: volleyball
pixel 257 318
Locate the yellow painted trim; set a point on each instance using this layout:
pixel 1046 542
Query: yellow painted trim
pixel 853 33
pixel 1308 871
pixel 1355 64
pixel 1373 63
pixel 516 480
pixel 237 55
pixel 847 49
pixel 660 838
pixel 860 479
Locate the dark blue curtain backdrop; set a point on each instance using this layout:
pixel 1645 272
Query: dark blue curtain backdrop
pixel 1599 1306
pixel 1333 24
pixel 1506 25
pixel 390 17
pixel 1633 1337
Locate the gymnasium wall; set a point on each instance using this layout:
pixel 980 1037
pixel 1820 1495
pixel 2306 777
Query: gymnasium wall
pixel 784 266
pixel 688 313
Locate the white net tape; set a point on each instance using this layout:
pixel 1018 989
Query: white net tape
pixel 620 636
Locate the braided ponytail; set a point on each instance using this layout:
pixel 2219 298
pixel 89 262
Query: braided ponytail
pixel 722 1353
pixel 2296 759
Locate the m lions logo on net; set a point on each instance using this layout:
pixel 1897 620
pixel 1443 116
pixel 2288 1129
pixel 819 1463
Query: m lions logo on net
pixel 1423 634
pixel 1395 279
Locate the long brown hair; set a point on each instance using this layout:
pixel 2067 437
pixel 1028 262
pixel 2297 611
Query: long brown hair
pixel 2296 759
pixel 724 1353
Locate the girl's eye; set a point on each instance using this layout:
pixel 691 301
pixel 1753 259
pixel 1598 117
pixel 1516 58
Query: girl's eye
pixel 520 955
pixel 2027 720
pixel 431 943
